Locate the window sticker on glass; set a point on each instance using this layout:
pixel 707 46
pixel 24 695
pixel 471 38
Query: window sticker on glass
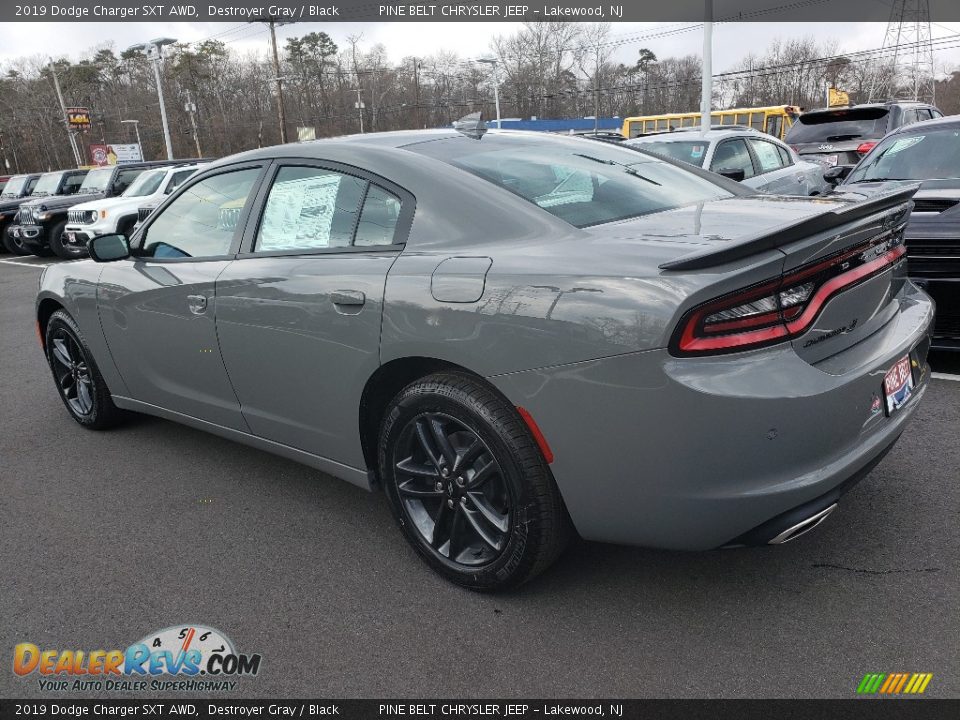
pixel 903 144
pixel 697 152
pixel 310 209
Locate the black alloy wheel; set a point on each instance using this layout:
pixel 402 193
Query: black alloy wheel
pixel 467 483
pixel 78 380
pixel 452 489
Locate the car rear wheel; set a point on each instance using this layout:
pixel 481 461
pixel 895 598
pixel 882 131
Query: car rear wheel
pixel 61 247
pixel 12 244
pixel 78 380
pixel 468 485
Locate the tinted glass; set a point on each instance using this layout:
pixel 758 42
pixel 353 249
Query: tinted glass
pixel 767 154
pixel 124 178
pixel 73 184
pixel 201 222
pixel 691 152
pixel 310 209
pixel 839 125
pixel 378 219
pixel 915 156
pixel 732 155
pixel 785 158
pixel 177 180
pixel 580 182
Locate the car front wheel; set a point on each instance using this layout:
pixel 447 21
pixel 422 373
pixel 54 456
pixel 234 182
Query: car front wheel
pixel 468 485
pixel 78 380
pixel 12 244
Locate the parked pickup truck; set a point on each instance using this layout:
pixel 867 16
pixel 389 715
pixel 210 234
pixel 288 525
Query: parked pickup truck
pixel 43 221
pixel 17 188
pixel 118 215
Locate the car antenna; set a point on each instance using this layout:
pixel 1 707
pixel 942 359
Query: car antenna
pixel 471 125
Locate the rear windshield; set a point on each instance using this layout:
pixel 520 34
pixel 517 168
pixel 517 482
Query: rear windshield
pixel 581 182
pixel 839 125
pixel 932 155
pixel 687 151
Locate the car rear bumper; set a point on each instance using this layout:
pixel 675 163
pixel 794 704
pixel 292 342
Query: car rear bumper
pixel 695 453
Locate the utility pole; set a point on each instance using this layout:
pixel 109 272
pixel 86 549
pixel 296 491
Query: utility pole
pixel 706 88
pixel 359 104
pixel 273 23
pixel 192 109
pixel 416 85
pixel 63 109
pixel 492 62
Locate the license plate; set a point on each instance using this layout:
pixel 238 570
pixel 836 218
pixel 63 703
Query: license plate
pixel 898 385
pixel 72 237
pixel 830 159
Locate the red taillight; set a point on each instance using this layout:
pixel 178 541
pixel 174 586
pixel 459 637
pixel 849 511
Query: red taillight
pixel 796 148
pixel 864 148
pixel 779 310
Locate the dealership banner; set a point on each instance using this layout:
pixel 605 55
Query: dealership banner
pixel 446 11
pixel 490 709
pixel 104 155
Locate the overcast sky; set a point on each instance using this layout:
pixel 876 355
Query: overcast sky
pixel 469 39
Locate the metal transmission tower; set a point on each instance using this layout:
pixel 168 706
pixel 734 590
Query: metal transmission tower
pixel 905 67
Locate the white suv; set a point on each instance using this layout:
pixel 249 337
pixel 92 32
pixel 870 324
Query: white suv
pixel 119 214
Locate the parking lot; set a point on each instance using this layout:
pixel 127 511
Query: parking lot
pixel 109 536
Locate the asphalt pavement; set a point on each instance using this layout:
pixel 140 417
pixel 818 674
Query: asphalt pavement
pixel 107 537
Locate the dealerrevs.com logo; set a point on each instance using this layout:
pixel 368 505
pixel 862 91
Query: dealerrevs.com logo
pixel 190 658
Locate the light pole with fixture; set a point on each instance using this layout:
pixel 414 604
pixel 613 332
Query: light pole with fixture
pixel 136 126
pixel 154 52
pixel 493 62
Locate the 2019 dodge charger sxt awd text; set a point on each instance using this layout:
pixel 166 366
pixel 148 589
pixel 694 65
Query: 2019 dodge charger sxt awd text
pixel 515 335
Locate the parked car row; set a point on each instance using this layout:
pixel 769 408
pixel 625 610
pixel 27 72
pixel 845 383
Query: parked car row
pixel 57 213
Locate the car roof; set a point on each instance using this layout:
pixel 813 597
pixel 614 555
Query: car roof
pixel 937 123
pixel 684 134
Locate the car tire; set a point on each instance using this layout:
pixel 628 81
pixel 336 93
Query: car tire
pixel 12 244
pixel 79 383
pixel 486 512
pixel 61 248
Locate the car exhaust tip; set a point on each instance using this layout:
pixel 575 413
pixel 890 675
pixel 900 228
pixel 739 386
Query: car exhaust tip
pixel 802 527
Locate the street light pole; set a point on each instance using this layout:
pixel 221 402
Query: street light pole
pixel 154 52
pixel 706 86
pixel 359 92
pixel 63 109
pixel 492 62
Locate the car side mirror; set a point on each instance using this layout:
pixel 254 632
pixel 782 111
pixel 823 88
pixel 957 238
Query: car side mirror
pixel 733 173
pixel 837 173
pixel 108 248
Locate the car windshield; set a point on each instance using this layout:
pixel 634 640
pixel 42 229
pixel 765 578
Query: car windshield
pixel 96 181
pixel 145 184
pixel 932 155
pixel 579 181
pixel 47 184
pixel 688 151
pixel 13 188
pixel 839 125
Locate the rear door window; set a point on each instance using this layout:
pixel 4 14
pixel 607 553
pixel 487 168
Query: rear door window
pixel 732 155
pixel 768 157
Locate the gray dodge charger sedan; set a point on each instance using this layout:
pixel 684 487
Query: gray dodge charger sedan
pixel 517 336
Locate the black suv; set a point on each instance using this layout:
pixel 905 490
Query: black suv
pixel 41 221
pixel 843 135
pixel 17 188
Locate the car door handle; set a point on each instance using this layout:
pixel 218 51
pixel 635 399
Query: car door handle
pixel 348 297
pixel 197 304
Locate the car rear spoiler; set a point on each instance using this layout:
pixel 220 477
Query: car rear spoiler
pixel 786 234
